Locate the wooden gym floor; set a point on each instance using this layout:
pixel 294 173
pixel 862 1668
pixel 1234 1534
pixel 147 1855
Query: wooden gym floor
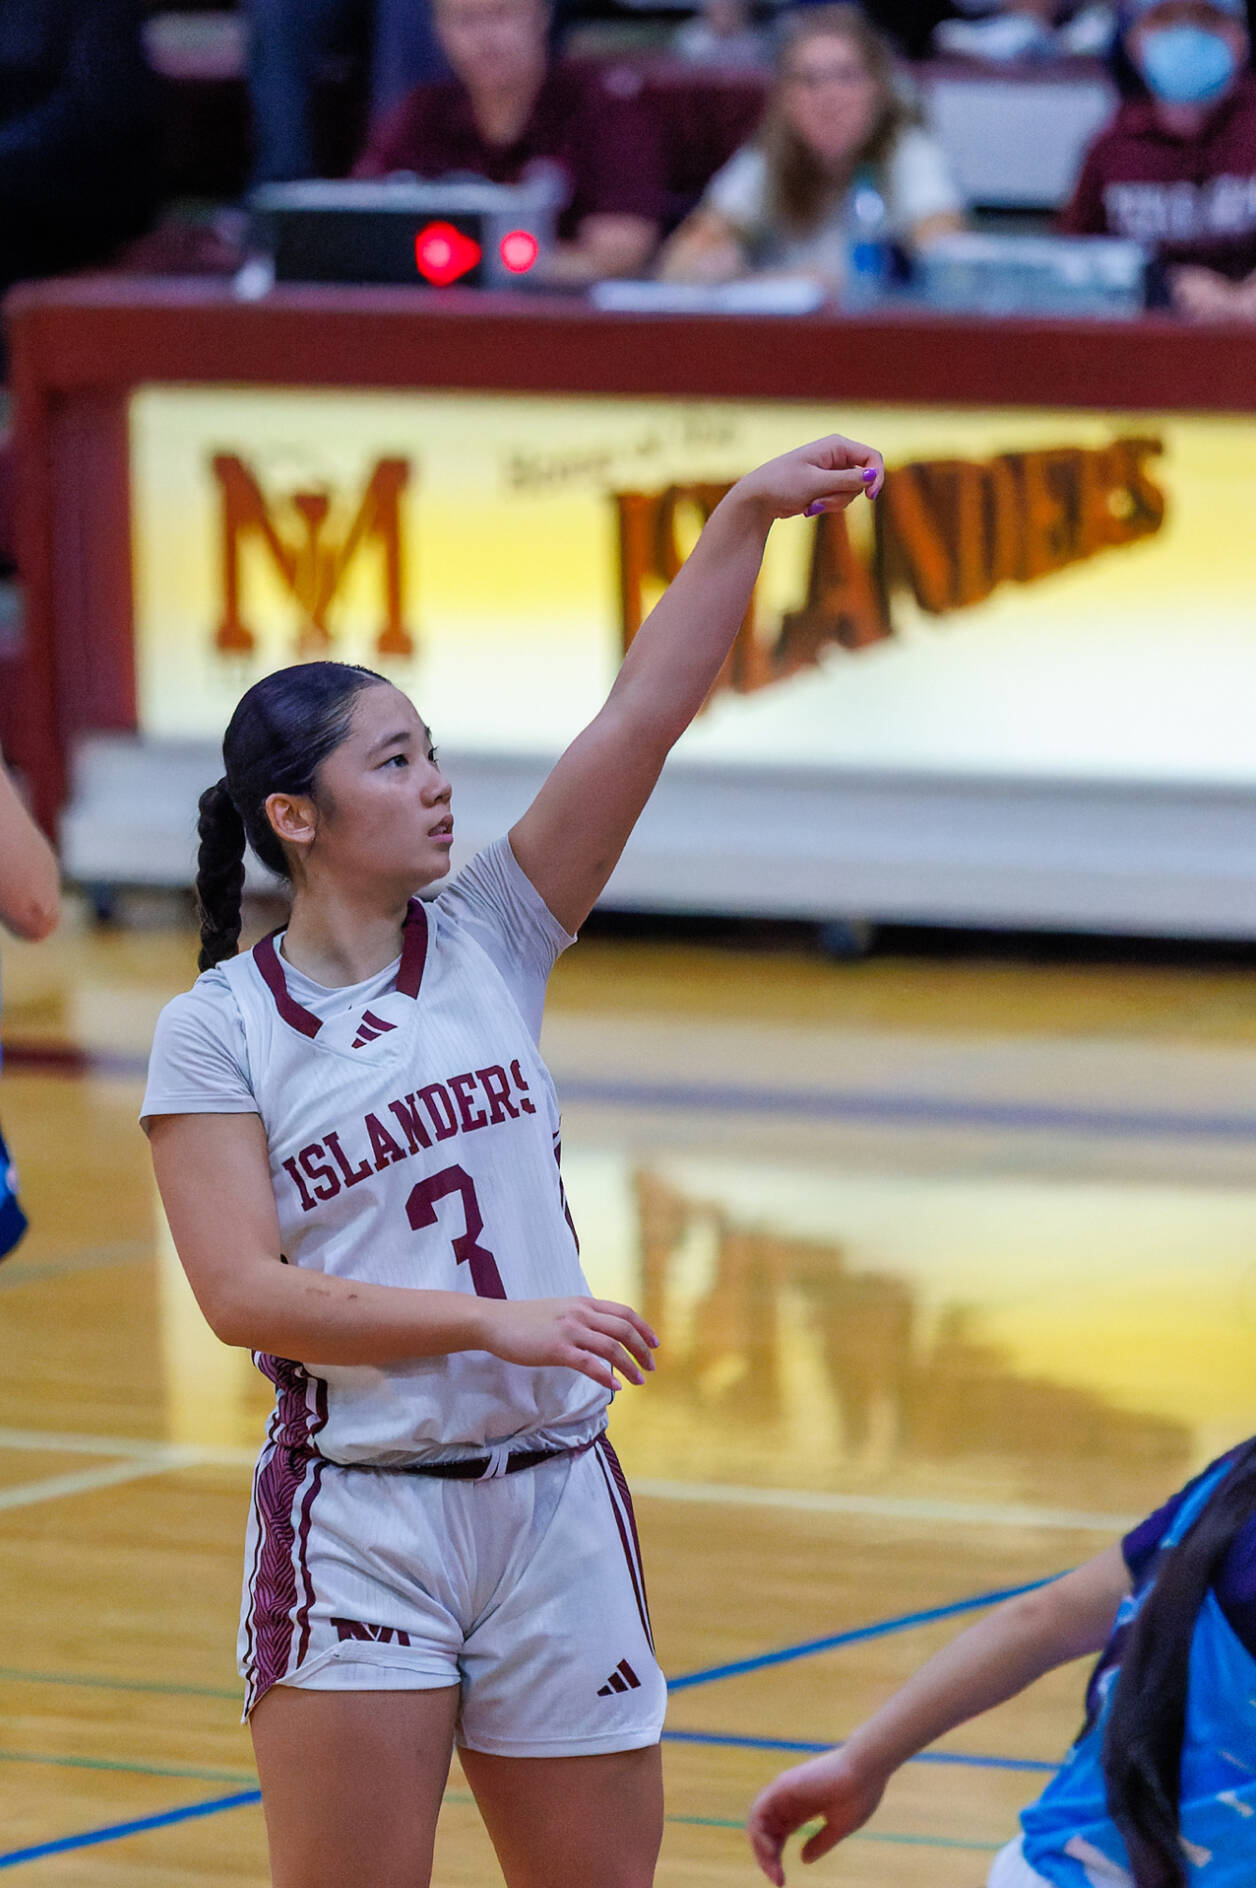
pixel 955 1270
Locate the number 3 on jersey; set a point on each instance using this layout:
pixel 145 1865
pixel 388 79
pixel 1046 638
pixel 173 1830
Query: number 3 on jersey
pixel 421 1212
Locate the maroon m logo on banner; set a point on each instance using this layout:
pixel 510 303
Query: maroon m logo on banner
pixel 309 555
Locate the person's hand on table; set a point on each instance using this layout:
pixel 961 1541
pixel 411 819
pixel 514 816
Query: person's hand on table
pixel 1201 295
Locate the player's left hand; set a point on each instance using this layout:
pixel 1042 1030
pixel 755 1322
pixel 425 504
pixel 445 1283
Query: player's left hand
pixel 827 475
pixel 830 1787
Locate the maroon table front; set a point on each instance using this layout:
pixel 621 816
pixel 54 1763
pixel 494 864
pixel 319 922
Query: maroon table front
pixel 79 348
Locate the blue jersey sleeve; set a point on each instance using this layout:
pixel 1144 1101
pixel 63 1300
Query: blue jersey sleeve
pixel 1235 1583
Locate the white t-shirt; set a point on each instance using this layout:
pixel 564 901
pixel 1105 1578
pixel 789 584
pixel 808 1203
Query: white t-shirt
pixel 915 184
pixel 413 1136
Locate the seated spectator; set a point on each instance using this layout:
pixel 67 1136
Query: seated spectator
pixel 291 40
pixel 722 33
pixel 1007 30
pixel 835 119
pixel 76 129
pixel 1177 169
pixel 510 108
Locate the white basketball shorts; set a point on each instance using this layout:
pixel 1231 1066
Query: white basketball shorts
pixel 1009 1869
pixel 525 1590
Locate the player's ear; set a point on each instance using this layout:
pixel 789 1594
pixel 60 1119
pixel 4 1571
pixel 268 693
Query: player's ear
pixel 293 818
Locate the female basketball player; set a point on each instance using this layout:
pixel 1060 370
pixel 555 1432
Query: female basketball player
pixel 1160 1788
pixel 30 901
pixel 356 1143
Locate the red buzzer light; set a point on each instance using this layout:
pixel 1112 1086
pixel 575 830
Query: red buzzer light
pixel 442 254
pixel 519 250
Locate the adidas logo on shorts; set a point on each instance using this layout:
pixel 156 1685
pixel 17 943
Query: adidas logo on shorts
pixel 623 1678
pixel 369 1028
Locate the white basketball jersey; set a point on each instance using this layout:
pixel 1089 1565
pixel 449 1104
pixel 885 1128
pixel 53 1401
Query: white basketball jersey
pixel 415 1143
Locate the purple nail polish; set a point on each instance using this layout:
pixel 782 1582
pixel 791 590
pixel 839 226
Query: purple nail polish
pixel 869 475
pixel 813 511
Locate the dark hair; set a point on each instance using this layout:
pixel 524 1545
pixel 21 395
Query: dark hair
pixel 277 739
pixel 1142 1744
pixel 800 187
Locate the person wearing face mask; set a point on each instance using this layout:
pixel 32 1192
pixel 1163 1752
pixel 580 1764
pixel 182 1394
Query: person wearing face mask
pixel 1177 169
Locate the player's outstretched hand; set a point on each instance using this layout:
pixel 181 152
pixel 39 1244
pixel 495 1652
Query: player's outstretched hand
pixel 827 475
pixel 830 1787
pixel 592 1335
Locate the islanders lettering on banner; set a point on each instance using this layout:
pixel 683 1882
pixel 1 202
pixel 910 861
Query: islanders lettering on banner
pixel 947 533
pixel 344 1156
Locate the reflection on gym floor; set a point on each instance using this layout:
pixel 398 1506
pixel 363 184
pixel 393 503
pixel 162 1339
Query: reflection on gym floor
pixel 949 1283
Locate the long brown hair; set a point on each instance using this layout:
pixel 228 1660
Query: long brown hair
pixel 800 189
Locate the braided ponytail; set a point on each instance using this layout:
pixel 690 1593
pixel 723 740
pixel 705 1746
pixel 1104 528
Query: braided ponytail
pixel 219 875
pixel 282 731
pixel 1146 1727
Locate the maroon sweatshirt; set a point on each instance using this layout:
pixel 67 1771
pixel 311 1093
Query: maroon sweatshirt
pixel 1190 199
pixel 601 141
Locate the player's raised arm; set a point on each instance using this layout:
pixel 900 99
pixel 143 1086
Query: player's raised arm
pixel 250 1298
pixel 570 839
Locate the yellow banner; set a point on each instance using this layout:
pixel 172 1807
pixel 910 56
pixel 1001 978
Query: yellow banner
pixel 1054 593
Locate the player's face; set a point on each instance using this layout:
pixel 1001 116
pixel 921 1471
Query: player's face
pixel 383 803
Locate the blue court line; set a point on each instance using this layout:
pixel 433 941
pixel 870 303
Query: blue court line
pixel 970 1760
pixel 880 1629
pixel 807 1648
pixel 189 1812
pixel 116 1831
pixel 939 1110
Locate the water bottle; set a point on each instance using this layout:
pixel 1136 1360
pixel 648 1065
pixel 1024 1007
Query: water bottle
pixel 867 224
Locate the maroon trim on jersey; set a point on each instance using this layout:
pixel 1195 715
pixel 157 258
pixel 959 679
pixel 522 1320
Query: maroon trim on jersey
pixel 616 1484
pixel 409 972
pixel 294 1014
pixel 413 949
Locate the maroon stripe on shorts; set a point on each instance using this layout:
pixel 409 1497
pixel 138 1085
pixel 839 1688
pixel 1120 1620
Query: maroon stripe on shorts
pixel 275 1583
pixel 614 1476
pixel 303 1542
pixel 274 1594
pixel 303 1534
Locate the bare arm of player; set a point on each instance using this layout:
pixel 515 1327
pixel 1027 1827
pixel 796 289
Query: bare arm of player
pixel 30 887
pixel 571 836
pixel 1002 1655
pixel 226 1233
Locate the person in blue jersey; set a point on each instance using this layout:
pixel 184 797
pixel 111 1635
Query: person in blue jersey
pixel 1159 1791
pixel 29 907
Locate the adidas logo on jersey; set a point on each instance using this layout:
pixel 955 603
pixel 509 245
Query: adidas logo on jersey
pixel 371 1027
pixel 623 1678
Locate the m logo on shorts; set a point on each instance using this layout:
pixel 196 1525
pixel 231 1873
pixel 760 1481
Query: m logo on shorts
pixel 369 1028
pixel 623 1678
pixel 373 1635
